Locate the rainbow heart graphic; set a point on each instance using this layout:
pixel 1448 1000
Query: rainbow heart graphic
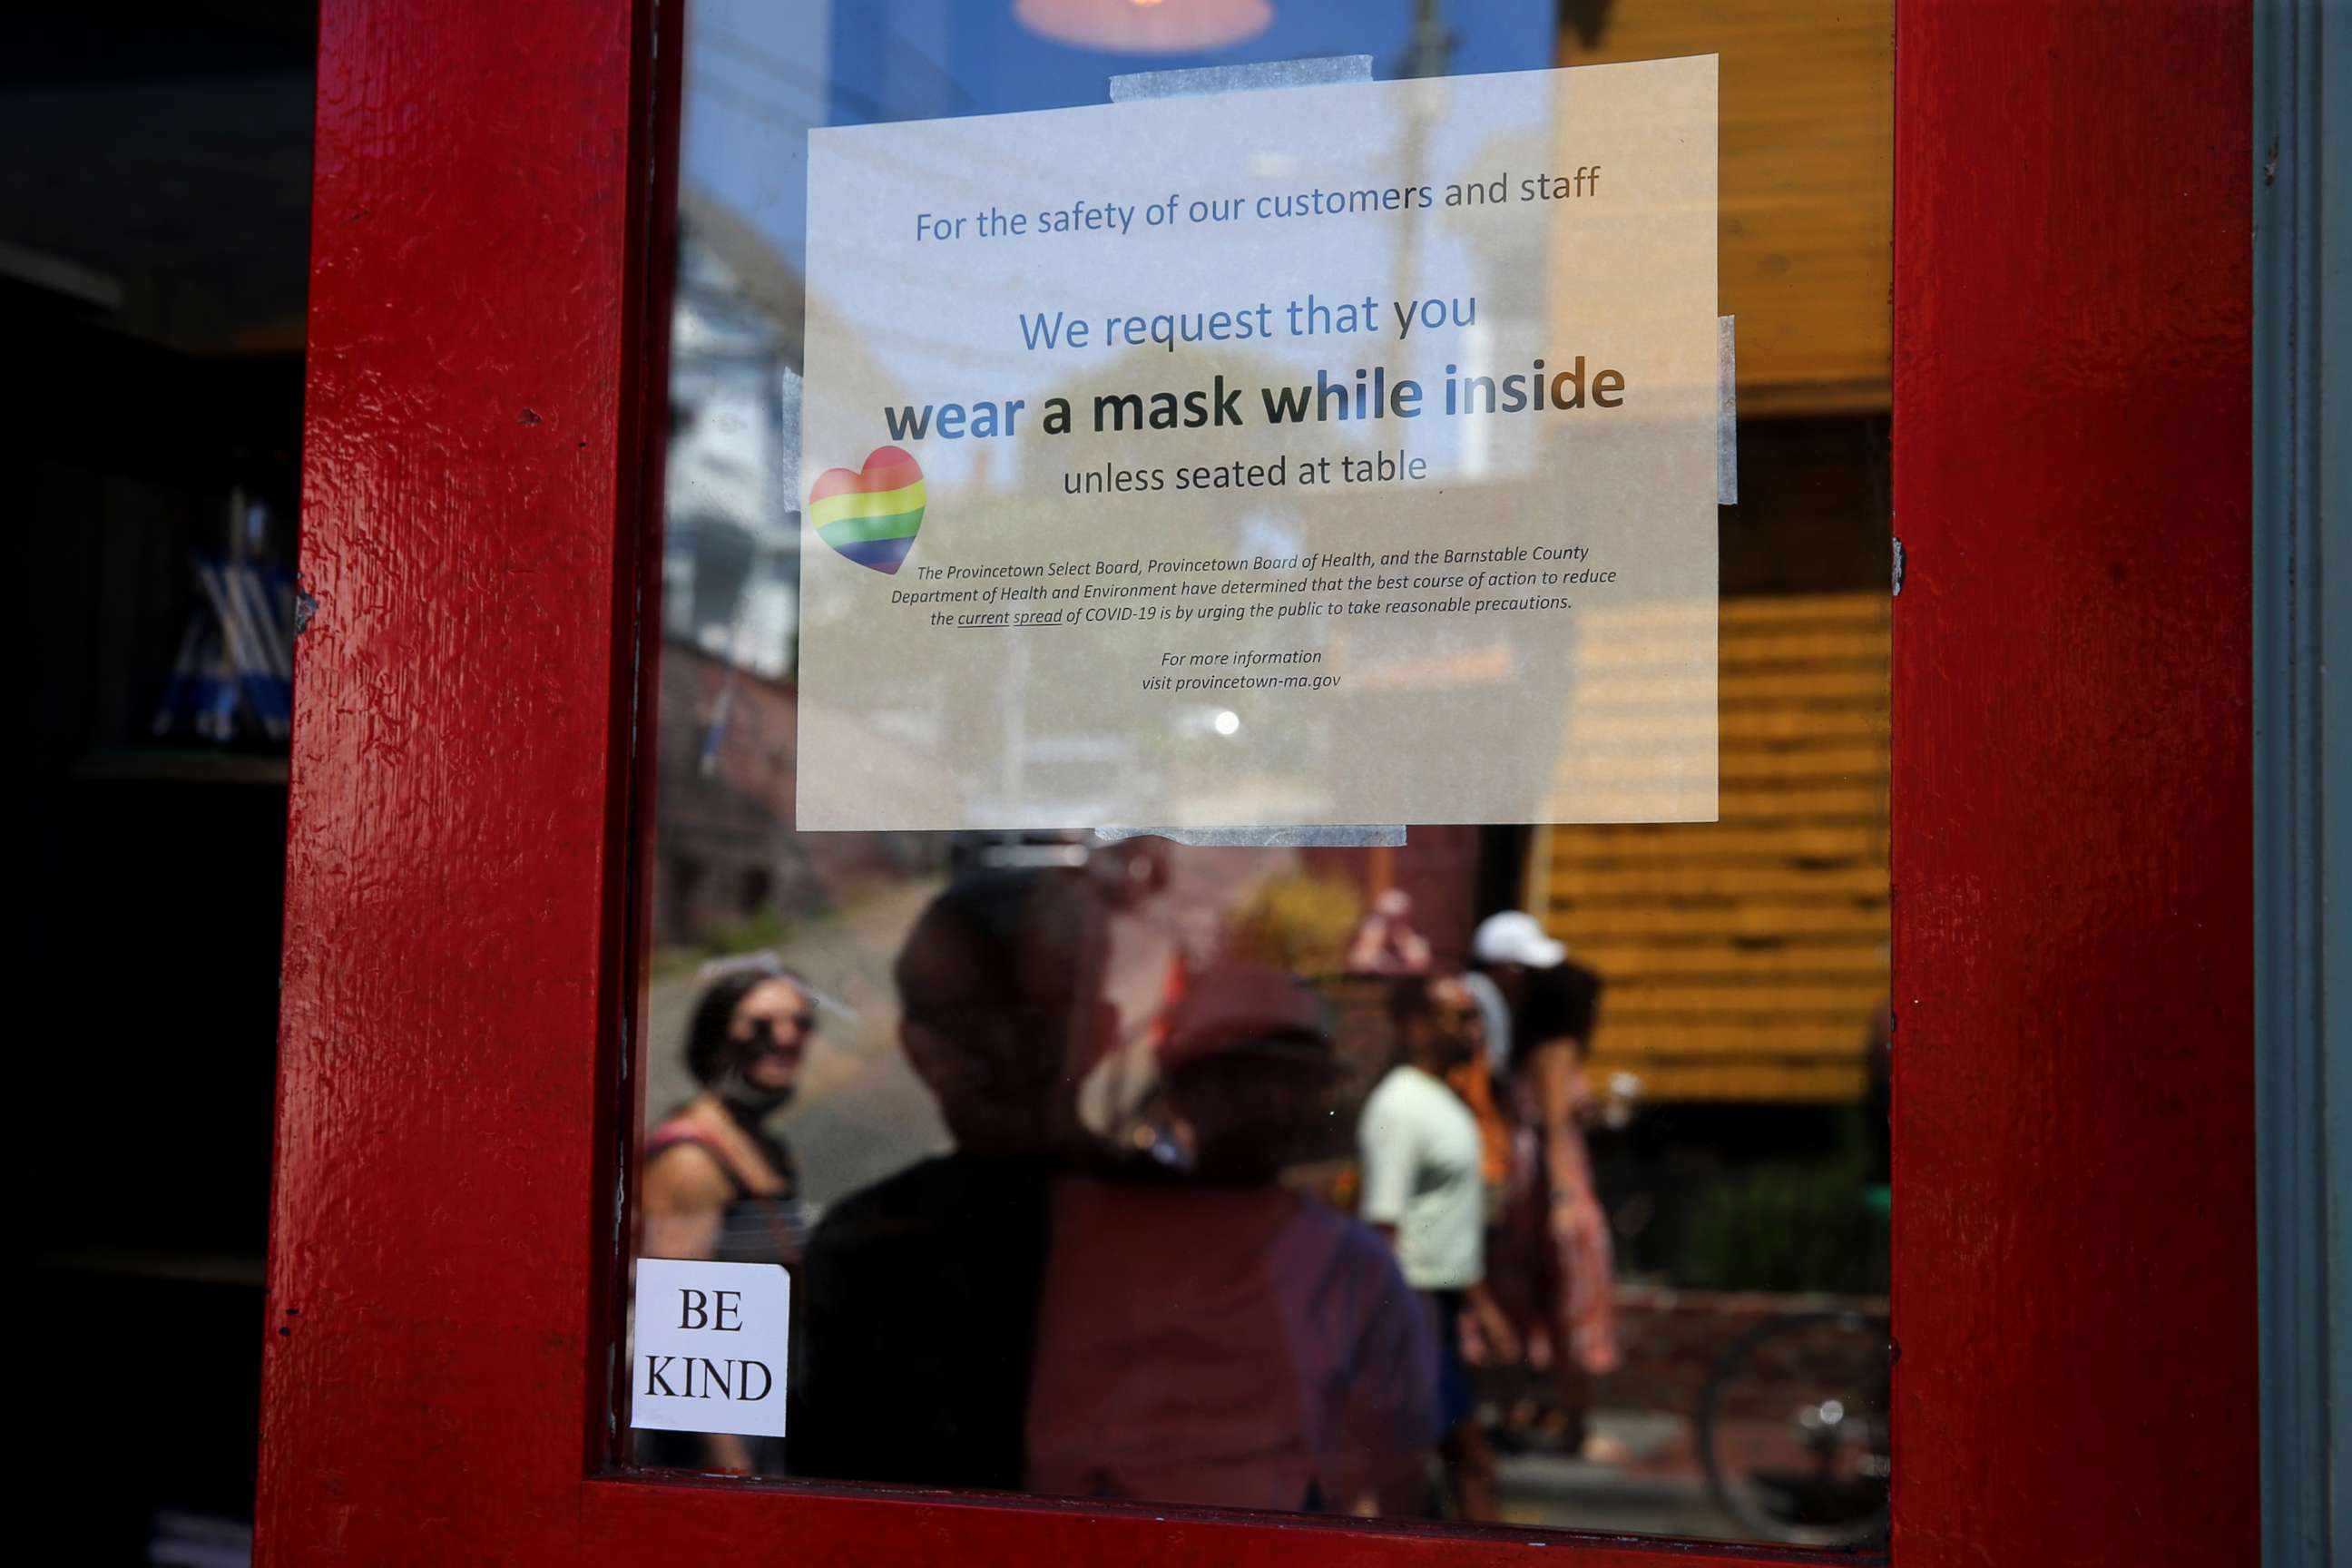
pixel 873 515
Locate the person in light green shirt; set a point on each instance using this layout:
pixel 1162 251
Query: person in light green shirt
pixel 1424 1187
pixel 1421 1177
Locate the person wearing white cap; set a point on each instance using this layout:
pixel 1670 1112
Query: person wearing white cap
pixel 1555 1265
pixel 1517 937
pixel 1508 946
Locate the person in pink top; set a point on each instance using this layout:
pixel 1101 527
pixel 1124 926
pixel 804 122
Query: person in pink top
pixel 1209 1336
pixel 1554 1262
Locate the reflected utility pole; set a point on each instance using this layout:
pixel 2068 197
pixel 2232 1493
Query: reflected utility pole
pixel 1429 53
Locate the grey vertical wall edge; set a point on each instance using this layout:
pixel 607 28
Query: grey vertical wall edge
pixel 2302 806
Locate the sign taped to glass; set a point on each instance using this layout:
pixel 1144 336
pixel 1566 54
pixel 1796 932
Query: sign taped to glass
pixel 1325 455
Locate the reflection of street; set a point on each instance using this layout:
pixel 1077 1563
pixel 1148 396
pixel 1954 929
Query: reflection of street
pixel 1660 1491
pixel 860 1113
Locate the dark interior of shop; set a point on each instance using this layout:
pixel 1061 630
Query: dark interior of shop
pixel 153 246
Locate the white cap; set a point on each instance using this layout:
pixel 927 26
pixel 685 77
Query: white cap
pixel 1514 937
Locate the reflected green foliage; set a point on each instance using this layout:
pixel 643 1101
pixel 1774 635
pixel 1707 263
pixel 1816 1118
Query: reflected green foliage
pixel 1298 922
pixel 1786 1226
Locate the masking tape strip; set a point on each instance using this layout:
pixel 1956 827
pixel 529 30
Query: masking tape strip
pixel 1325 837
pixel 1329 71
pixel 1727 412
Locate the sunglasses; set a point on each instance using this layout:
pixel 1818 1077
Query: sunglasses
pixel 762 1031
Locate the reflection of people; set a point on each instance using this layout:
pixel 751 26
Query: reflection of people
pixel 1508 947
pixel 1557 1236
pixel 1215 1338
pixel 1423 1185
pixel 718 1184
pixel 915 1306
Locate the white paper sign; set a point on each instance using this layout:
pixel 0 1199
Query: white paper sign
pixel 1326 455
pixel 712 1341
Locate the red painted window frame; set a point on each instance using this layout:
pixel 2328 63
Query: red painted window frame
pixel 2073 1242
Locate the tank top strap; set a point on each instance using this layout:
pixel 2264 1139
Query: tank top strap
pixel 670 1134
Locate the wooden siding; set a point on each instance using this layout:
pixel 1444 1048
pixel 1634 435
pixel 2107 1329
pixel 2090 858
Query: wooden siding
pixel 1807 181
pixel 1746 957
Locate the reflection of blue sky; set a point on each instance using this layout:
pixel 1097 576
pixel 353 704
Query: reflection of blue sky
pixel 759 76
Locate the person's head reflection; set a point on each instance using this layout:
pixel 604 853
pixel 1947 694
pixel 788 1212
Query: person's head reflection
pixel 998 993
pixel 1245 1064
pixel 915 1307
pixel 1438 1022
pixel 749 1034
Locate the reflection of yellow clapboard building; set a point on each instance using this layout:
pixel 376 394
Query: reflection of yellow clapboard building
pixel 1744 957
pixel 1806 139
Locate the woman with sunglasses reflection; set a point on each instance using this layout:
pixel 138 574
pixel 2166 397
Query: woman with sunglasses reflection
pixel 718 1183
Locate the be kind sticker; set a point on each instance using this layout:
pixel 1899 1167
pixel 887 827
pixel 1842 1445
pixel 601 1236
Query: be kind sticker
pixel 709 1347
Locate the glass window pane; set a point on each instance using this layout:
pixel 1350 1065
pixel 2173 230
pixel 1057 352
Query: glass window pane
pixel 1525 1170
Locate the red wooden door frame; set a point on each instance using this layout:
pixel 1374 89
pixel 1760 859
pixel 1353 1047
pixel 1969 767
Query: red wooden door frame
pixel 2074 830
pixel 2074 1224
